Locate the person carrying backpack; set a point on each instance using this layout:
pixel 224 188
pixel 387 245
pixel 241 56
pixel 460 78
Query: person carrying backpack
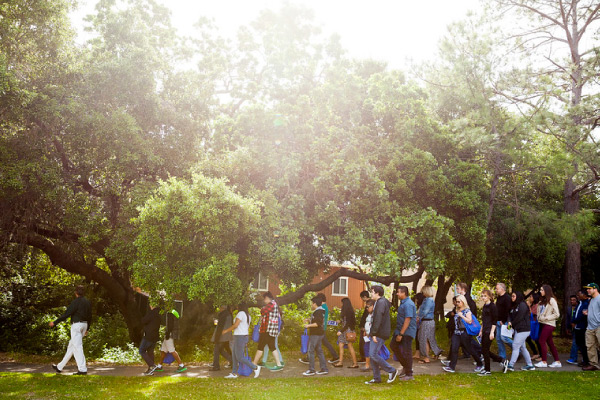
pixel 460 337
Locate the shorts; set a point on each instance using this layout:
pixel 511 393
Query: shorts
pixel 168 346
pixel 264 339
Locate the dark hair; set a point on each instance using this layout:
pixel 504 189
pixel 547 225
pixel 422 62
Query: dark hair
pixel 378 289
pixel 348 312
pixel 243 307
pixel 269 295
pixel 317 300
pixel 548 294
pixel 419 297
pixel 536 297
pixel 462 285
pixel 489 294
pixel 364 293
pixel 370 302
pixel 518 300
pixel 403 289
pixel 583 292
pixel 80 290
pixel 322 297
pixel 573 296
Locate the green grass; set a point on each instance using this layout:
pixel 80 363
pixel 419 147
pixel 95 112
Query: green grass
pixel 519 385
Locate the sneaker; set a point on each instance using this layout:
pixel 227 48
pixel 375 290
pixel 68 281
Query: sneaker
pixel 83 373
pixel 276 368
pixel 541 364
pixel 406 378
pixel 528 368
pixel 392 376
pixel 257 371
pixel 505 365
pixel 149 372
pixel 484 373
pixel 448 369
pixel 55 367
pixel 182 368
pixel 445 362
pixel 303 360
pixel 570 361
pixel 333 361
pixel 556 364
pixel 372 382
pixel 231 376
pixel 479 369
pixel 510 368
pixel 322 372
pixel 159 368
pixel 310 372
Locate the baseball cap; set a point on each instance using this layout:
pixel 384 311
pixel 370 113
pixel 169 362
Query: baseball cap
pixel 591 286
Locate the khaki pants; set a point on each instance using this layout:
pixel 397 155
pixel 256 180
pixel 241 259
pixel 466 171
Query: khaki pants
pixel 592 341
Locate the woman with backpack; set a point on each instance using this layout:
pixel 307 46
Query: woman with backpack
pixel 518 319
pixel 460 337
pixel 240 341
pixel 347 330
pixel 548 313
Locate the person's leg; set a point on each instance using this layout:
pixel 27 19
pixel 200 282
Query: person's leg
pixel 375 359
pixel 545 331
pixel 68 353
pixel 225 351
pixel 524 350
pixel 395 348
pixel 239 347
pixel 553 349
pixel 501 347
pixel 277 348
pixel 330 348
pixel 361 346
pixel 531 345
pixel 430 335
pixel 235 361
pixel 177 358
pixel 261 344
pixel 265 354
pixel 485 349
pixel 466 341
pixel 592 342
pixel 78 346
pixel 405 353
pixel 341 353
pixel 216 358
pixel 580 338
pixel 145 346
pixel 423 335
pixel 313 340
pixel 352 354
pixel 320 354
pixel 454 346
pixel 574 354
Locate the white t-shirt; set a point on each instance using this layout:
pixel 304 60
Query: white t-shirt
pixel 242 328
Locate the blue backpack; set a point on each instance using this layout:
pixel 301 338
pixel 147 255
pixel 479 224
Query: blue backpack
pixel 243 369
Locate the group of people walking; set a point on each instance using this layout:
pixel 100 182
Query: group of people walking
pixel 514 321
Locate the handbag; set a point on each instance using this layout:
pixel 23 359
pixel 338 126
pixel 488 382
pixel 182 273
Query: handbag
pixel 256 333
pixel 350 336
pixel 243 369
pixel 304 342
pixel 534 327
pixel 474 327
pixel 384 352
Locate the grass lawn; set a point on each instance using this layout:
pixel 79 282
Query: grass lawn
pixel 518 385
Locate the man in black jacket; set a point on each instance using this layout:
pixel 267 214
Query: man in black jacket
pixel 380 332
pixel 503 304
pixel 151 323
pixel 80 311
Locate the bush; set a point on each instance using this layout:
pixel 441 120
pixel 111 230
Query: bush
pixel 118 355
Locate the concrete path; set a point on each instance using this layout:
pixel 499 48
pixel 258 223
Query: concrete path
pixel 293 368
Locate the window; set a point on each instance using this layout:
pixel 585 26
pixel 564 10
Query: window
pixel 340 287
pixel 261 283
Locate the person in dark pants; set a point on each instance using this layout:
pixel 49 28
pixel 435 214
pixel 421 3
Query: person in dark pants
pixel 80 311
pixel 364 295
pixel 405 332
pixel 579 324
pixel 532 301
pixel 460 336
pixel 316 332
pixel 489 320
pixel 222 341
pixel 151 323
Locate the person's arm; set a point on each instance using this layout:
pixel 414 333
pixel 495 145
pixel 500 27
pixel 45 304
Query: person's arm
pixel 377 318
pixel 467 317
pixel 236 323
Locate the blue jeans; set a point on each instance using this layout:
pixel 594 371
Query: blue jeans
pixel 314 345
pixel 147 351
pixel 501 341
pixel 574 349
pixel 377 362
pixel 237 355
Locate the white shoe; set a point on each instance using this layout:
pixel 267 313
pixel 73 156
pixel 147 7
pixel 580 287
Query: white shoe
pixel 556 364
pixel 231 376
pixel 257 371
pixel 541 364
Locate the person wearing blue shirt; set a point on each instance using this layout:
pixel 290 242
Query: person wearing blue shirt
pixel 579 325
pixel 405 332
pixel 426 326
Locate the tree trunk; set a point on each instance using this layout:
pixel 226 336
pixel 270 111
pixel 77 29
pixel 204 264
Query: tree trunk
pixel 440 296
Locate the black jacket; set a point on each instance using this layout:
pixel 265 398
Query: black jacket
pixel 489 317
pixel 503 304
pixel 519 317
pixel 151 322
pixel 472 305
pixel 363 318
pixel 80 310
pixel 381 326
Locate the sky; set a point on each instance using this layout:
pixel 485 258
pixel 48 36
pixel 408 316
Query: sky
pixel 394 31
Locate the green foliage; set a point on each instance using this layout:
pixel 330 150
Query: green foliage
pixel 118 355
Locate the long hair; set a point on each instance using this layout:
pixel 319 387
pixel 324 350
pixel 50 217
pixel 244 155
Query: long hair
pixel 548 294
pixel 348 312
pixel 244 307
